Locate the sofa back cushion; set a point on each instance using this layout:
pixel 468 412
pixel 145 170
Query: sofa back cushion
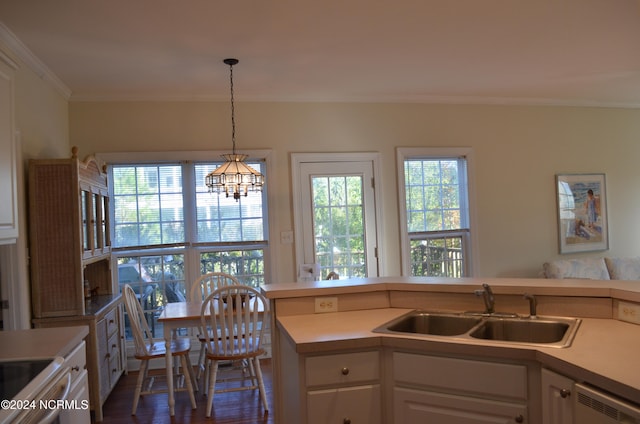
pixel 590 268
pixel 623 268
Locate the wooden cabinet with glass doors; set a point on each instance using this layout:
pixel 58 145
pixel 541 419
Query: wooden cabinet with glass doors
pixel 68 234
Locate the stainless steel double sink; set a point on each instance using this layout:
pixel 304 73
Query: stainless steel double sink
pixel 541 331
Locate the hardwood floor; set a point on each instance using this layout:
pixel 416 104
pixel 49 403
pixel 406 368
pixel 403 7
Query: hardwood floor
pixel 229 408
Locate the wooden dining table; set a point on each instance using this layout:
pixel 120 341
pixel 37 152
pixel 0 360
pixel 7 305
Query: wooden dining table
pixel 174 316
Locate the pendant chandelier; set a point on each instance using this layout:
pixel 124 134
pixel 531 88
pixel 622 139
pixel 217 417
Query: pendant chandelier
pixel 234 176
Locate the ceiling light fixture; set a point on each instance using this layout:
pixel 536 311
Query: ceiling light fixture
pixel 234 176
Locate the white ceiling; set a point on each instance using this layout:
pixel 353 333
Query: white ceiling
pixel 563 52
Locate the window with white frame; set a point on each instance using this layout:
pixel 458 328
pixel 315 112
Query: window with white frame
pixel 434 210
pixel 168 230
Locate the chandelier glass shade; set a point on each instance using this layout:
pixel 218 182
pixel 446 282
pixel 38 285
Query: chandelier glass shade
pixel 234 177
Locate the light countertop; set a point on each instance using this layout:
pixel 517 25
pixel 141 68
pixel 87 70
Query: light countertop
pixel 618 289
pixel 40 343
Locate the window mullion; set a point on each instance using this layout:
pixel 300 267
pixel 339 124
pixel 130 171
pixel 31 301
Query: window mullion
pixel 189 202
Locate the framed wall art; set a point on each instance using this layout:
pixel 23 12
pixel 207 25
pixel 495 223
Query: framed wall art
pixel 582 212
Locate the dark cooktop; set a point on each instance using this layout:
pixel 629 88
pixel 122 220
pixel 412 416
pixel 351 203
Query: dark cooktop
pixel 15 375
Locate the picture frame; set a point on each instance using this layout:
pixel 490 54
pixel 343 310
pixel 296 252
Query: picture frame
pixel 582 212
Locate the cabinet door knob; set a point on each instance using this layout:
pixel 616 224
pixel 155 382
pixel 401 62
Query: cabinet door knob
pixel 565 393
pixel 346 421
pixel 345 371
pixel 519 419
pixel 75 368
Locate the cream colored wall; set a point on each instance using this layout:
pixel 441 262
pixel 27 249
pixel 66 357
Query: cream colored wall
pixel 41 119
pixel 518 151
pixel 41 114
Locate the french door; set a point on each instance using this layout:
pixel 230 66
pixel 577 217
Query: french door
pixel 335 215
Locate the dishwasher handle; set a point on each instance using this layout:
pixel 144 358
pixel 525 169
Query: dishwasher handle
pixel 63 386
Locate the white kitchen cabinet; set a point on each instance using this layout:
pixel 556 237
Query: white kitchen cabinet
pixel 8 157
pixel 337 387
pixel 346 405
pixel 422 406
pixel 343 388
pixel 557 402
pixel 444 390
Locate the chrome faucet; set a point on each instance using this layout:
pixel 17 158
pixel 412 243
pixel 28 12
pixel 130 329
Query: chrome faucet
pixel 487 296
pixel 533 305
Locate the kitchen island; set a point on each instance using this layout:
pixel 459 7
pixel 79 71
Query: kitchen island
pixel 603 353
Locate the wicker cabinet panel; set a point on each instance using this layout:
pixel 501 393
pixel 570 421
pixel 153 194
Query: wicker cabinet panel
pixel 56 270
pixel 68 235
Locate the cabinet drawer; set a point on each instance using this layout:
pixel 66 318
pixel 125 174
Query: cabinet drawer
pixel 113 347
pixel 342 368
pixel 111 320
pixel 461 375
pixel 77 360
pixel 358 404
pixel 114 355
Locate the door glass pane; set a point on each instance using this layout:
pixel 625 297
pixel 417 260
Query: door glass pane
pixel 84 197
pixel 95 221
pixel 105 222
pixel 338 223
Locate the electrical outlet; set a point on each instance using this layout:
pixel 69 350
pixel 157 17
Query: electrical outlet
pixel 326 304
pixel 629 312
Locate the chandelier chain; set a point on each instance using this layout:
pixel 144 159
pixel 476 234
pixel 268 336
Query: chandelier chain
pixel 233 114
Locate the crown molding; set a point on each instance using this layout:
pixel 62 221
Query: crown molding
pixel 23 53
pixel 434 100
pixel 9 60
